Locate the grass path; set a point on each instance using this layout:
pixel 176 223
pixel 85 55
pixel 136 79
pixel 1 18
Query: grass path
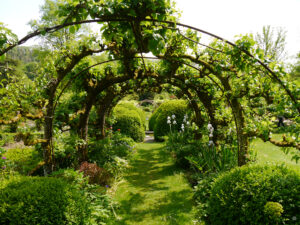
pixel 154 191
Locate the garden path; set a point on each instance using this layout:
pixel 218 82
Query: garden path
pixel 154 191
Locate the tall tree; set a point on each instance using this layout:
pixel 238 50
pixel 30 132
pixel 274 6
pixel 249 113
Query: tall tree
pixel 296 68
pixel 272 42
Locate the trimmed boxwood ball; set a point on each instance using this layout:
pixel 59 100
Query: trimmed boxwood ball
pixel 132 107
pixel 245 196
pixel 153 118
pixel 129 122
pixel 158 120
pixel 41 200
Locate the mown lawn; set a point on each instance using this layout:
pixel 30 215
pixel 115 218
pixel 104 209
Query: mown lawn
pixel 154 191
pixel 269 153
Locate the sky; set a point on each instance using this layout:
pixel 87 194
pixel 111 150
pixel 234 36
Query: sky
pixel 225 18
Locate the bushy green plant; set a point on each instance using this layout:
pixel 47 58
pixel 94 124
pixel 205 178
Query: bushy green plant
pixel 72 176
pixel 100 204
pixel 198 155
pixel 211 159
pixel 132 107
pixel 65 149
pixel 241 196
pixel 3 159
pixel 37 200
pixel 158 121
pixel 115 145
pixel 6 138
pixel 117 166
pixel 180 145
pixel 273 210
pixel 129 122
pixel 202 192
pixel 23 160
pixel 153 118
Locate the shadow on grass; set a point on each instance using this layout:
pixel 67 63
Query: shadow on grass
pixel 149 167
pixel 150 170
pixel 169 210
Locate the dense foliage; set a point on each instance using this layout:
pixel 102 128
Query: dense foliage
pixel 75 80
pixel 245 195
pixel 199 156
pixel 130 121
pixel 28 200
pixel 158 121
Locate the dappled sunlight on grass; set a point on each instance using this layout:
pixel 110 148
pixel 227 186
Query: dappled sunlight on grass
pixel 154 191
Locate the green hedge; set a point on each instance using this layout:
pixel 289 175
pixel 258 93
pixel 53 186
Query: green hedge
pixel 158 120
pixel 132 107
pixel 37 200
pixel 128 120
pixel 255 195
pixel 153 118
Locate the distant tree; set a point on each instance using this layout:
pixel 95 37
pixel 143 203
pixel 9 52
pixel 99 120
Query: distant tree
pixel 272 42
pixel 9 68
pixel 26 54
pixel 296 68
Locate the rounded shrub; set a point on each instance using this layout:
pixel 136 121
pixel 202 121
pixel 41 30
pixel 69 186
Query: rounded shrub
pixel 132 107
pixel 259 194
pixel 158 120
pixel 128 121
pixel 41 200
pixel 153 119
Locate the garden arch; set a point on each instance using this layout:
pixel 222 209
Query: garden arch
pixel 213 74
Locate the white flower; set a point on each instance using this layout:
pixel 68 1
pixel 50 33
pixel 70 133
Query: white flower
pixel 210 143
pixel 211 135
pixel 209 126
pixel 182 126
pixel 173 116
pixel 294 138
pixel 187 123
pixel 294 218
pixel 168 121
pixel 168 117
pixel 174 122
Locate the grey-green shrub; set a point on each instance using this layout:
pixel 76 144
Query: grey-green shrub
pixel 240 196
pixel 158 121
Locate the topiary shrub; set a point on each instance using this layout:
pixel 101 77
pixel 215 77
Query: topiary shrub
pixel 129 123
pixel 243 196
pixel 41 200
pixel 132 107
pixel 153 118
pixel 158 121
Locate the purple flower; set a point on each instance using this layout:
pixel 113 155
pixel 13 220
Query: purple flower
pixel 3 157
pixel 107 186
pixel 4 167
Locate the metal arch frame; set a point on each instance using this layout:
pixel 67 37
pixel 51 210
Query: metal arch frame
pixel 130 19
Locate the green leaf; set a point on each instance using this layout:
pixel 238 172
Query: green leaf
pixel 72 29
pixel 43 32
pixel 2 58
